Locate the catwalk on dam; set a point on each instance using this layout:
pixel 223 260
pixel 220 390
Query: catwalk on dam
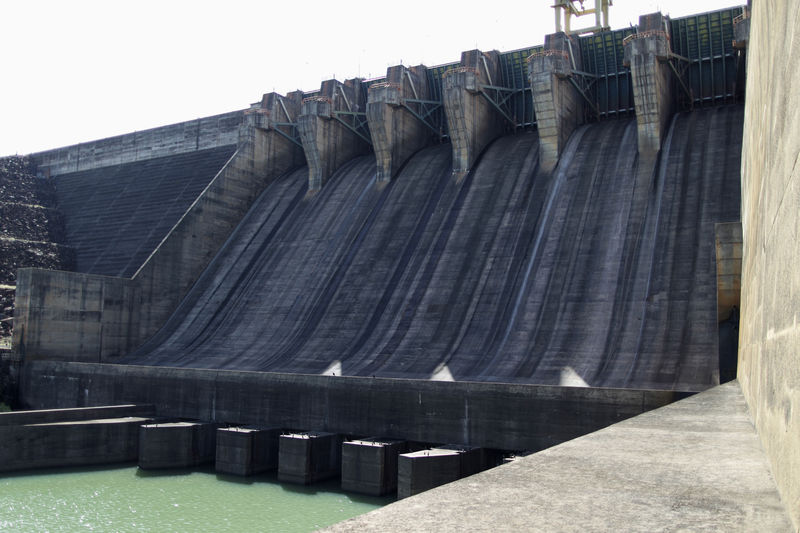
pixel 600 274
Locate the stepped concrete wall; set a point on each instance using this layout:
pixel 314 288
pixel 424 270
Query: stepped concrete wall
pixel 80 317
pixel 769 341
pixel 207 132
pixel 492 415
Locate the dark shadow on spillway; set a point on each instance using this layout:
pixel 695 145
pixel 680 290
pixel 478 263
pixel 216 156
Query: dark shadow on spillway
pixel 601 273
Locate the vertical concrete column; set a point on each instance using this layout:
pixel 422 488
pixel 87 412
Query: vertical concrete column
pixel 647 53
pixel 396 132
pixel 244 451
pixel 369 466
pixel 558 106
pixel 471 119
pixel 327 142
pixel 309 457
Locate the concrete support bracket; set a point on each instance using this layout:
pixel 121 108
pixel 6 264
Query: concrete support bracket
pixel 472 120
pixel 397 130
pixel 329 128
pixel 647 53
pixel 557 101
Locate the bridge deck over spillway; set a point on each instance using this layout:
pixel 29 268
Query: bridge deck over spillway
pixel 592 275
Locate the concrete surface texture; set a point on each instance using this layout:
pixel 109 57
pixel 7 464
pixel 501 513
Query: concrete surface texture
pixel 396 133
pixel 245 451
pixel 769 343
pixel 558 105
pixel 511 274
pixel 308 457
pixel 74 316
pixel 647 54
pixel 176 444
pixel 369 466
pixel 492 415
pixel 694 465
pixel 472 121
pixel 191 136
pixel 327 142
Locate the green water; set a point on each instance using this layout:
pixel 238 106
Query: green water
pixel 128 499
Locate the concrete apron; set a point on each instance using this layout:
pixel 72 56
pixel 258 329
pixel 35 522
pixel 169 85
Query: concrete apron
pixel 695 464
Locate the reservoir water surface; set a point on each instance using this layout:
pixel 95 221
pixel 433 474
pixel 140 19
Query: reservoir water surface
pixel 125 498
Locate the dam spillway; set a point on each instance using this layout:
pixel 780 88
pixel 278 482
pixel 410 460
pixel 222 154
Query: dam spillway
pixel 536 266
pixel 510 274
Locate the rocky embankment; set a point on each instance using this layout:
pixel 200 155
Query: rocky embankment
pixel 31 231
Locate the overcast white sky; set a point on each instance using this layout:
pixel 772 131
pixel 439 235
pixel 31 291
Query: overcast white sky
pixel 78 70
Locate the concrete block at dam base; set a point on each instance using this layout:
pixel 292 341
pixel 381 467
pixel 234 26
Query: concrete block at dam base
pixel 309 457
pixel 70 437
pixel 425 469
pixel 176 444
pixel 369 466
pixel 694 465
pixel 244 451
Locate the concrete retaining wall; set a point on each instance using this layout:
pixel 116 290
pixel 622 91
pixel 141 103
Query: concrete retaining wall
pixel 47 416
pixel 207 132
pixel 81 317
pixel 73 316
pixel 74 443
pixel 769 341
pixel 491 415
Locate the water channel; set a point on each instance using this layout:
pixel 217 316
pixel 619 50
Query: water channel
pixel 125 498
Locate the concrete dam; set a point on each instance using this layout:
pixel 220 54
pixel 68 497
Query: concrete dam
pixel 509 274
pixel 505 252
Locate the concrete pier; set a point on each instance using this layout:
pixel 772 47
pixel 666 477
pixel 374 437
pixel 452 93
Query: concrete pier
pixel 471 119
pixel 244 451
pixel 369 466
pixel 647 54
pixel 176 444
pixel 268 137
pixel 425 469
pixel 309 457
pixel 557 103
pixel 327 142
pixel 396 133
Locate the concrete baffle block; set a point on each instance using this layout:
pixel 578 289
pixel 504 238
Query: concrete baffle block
pixel 308 457
pixel 647 54
pixel 176 444
pixel 556 101
pixel 472 120
pixel 396 133
pixel 369 466
pixel 327 142
pixel 425 469
pixel 244 451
